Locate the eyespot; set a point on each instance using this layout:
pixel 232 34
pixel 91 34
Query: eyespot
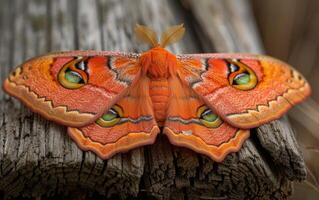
pixel 241 76
pixel 208 118
pixel 111 117
pixel 241 79
pixel 73 77
pixel 73 74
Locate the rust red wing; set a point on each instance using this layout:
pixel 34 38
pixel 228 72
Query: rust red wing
pixel 190 123
pixel 73 88
pixel 128 124
pixel 245 90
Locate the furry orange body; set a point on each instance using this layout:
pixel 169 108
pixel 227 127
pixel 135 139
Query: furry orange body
pixel 158 64
pixel 159 93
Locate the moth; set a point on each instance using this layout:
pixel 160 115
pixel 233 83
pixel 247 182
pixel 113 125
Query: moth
pixel 113 102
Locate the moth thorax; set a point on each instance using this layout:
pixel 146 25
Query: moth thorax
pixel 157 63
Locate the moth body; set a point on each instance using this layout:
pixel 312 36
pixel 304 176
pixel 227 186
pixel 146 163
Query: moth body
pixel 159 93
pixel 158 65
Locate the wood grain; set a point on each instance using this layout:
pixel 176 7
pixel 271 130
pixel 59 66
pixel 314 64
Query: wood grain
pixel 37 158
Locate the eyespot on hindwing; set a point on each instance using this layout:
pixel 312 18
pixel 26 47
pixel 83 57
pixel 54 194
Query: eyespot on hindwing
pixel 111 117
pixel 208 118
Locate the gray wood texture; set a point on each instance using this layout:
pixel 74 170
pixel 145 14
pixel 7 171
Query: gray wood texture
pixel 38 159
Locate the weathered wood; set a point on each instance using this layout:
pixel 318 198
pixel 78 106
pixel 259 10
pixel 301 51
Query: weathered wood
pixel 38 158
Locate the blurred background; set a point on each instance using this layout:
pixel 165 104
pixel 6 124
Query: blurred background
pixel 289 30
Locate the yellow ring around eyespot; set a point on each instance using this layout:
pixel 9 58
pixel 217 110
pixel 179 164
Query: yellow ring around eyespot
pixel 65 83
pixel 252 77
pixel 201 110
pixel 214 124
pixel 118 109
pixel 112 122
pixel 104 123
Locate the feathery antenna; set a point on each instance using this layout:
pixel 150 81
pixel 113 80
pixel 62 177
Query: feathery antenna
pixel 171 35
pixel 146 34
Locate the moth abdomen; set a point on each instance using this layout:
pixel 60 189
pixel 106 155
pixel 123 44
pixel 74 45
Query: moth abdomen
pixel 159 93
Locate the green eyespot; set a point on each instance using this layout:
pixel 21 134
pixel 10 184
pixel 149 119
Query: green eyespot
pixel 241 79
pixel 241 76
pixel 111 117
pixel 71 76
pixel 208 118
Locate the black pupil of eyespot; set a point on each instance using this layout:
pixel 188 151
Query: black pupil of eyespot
pixel 112 111
pixel 206 112
pixel 233 68
pixel 81 65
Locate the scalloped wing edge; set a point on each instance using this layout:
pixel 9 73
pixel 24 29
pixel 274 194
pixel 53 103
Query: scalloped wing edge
pixel 216 153
pixel 266 113
pixel 45 107
pixel 124 144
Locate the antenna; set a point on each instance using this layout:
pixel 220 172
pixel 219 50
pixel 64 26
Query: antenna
pixel 171 35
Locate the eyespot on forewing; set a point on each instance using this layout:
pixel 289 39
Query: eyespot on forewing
pixel 241 76
pixel 73 74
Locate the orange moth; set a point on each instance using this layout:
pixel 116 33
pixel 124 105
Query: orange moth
pixel 113 102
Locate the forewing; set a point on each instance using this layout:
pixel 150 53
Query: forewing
pixel 73 88
pixel 245 90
